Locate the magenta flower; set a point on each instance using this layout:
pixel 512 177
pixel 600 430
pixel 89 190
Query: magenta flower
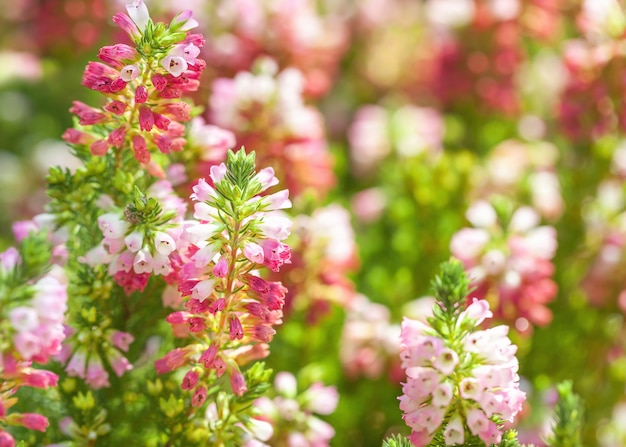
pixel 6 440
pixel 32 421
pixel 229 310
pixel 143 111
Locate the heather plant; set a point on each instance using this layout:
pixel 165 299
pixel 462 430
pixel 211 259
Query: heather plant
pixel 462 382
pixel 130 250
pixel 153 282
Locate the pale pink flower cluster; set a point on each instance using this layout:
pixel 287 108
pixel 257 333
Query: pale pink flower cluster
pixel 369 204
pixel 292 414
pixel 369 343
pixel 452 384
pixel 36 326
pixel 601 20
pixel 605 221
pixel 409 131
pixel 511 265
pixel 266 111
pixel 264 249
pixel 135 247
pixel 209 143
pixel 33 332
pixel 20 65
pixel 515 162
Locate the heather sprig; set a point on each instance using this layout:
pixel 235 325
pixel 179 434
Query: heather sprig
pixel 142 238
pixel 142 86
pixel 462 381
pixel 123 226
pixel 230 310
pixel 33 299
pixel 397 441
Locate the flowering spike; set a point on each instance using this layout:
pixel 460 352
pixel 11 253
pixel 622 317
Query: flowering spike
pixel 451 360
pixel 142 87
pixel 230 311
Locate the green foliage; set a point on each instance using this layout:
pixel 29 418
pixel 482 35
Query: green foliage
pixel 568 418
pixel 146 210
pixel 35 251
pixel 509 439
pixel 397 441
pixel 451 287
pixel 240 169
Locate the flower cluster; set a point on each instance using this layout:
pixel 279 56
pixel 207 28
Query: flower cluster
pixel 590 104
pixel 142 86
pixel 606 236
pixel 458 378
pixel 410 130
pixel 292 32
pixel 37 327
pixel 480 64
pixel 31 323
pixel 510 266
pixel 513 163
pixel 369 342
pixel 601 21
pixel 142 239
pixel 85 353
pixel 323 254
pixel 229 309
pixel 292 415
pixel 266 111
pixel 207 145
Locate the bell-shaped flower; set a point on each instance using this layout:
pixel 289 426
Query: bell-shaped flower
pixel 138 12
pixel 175 65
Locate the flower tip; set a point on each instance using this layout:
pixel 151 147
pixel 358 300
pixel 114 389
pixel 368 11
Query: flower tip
pixel 185 20
pixel 138 12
